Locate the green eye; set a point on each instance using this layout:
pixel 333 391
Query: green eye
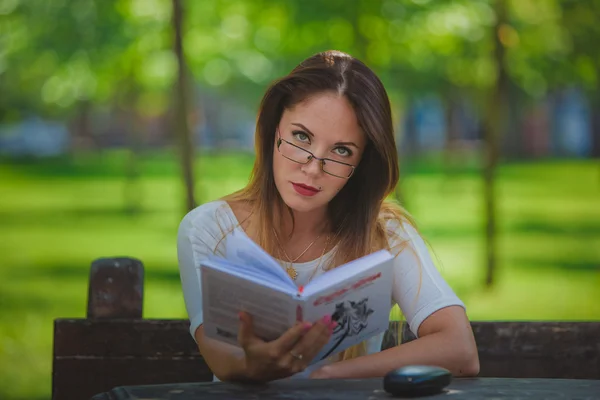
pixel 300 136
pixel 343 151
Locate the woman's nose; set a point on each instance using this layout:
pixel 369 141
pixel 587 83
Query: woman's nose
pixel 313 167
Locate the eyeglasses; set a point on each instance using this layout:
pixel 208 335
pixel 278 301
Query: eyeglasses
pixel 302 156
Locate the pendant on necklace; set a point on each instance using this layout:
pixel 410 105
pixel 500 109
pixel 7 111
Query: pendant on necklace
pixel 291 271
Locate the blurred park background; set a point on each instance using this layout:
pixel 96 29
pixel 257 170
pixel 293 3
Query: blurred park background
pixel 118 116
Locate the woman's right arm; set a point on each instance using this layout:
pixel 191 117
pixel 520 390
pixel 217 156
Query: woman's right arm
pixel 225 361
pixel 256 360
pixel 195 241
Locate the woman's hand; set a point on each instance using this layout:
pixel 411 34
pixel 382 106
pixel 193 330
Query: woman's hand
pixel 285 356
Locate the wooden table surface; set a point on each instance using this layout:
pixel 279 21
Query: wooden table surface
pixel 371 389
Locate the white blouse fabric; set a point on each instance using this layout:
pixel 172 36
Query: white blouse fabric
pixel 418 288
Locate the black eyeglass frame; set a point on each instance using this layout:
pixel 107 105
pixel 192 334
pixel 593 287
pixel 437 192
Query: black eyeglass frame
pixel 311 156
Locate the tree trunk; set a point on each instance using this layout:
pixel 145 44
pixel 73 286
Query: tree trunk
pixel 407 149
pixel 493 128
pixel 595 126
pixel 82 137
pixel 452 134
pixel 132 188
pixel 595 114
pixel 180 111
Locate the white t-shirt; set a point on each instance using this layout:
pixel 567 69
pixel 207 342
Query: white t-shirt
pixel 418 288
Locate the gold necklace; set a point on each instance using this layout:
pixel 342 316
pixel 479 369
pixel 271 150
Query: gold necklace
pixel 324 249
pixel 294 274
pixel 320 259
pixel 291 271
pixel 326 245
pixel 301 254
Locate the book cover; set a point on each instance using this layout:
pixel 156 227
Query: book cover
pixel 356 295
pixel 359 304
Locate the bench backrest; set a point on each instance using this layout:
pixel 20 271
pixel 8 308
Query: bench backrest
pixel 115 346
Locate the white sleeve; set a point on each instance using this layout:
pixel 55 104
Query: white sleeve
pixel 198 236
pixel 418 288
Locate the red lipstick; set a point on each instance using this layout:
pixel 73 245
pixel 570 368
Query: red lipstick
pixel 305 190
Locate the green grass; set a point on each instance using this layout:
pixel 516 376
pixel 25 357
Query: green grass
pixel 56 216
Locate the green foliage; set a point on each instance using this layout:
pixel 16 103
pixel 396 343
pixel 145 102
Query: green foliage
pixel 55 54
pixel 580 20
pixel 59 53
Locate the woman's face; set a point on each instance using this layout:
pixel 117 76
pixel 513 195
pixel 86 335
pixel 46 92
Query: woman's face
pixel 326 126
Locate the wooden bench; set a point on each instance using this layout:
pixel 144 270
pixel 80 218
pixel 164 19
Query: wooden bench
pixel 115 346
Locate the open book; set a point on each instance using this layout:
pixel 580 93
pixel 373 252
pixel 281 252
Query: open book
pixel 356 295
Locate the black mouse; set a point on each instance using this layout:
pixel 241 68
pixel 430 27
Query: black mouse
pixel 416 380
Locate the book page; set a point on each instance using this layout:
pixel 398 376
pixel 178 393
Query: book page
pixel 225 295
pixel 241 250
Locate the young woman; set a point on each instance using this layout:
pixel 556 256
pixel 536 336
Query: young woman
pixel 325 163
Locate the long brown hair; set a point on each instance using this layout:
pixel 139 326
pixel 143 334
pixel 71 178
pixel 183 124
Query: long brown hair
pixel 363 197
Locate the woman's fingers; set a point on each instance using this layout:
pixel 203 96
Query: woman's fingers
pixel 246 336
pixel 288 354
pixel 311 343
pixel 289 339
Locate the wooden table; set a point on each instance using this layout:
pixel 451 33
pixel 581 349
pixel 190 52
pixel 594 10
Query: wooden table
pixel 371 389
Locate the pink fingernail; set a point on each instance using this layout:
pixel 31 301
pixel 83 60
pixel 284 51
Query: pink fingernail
pixel 306 327
pixel 332 326
pixel 326 319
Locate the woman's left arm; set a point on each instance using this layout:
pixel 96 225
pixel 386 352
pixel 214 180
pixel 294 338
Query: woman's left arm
pixel 430 306
pixel 445 340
